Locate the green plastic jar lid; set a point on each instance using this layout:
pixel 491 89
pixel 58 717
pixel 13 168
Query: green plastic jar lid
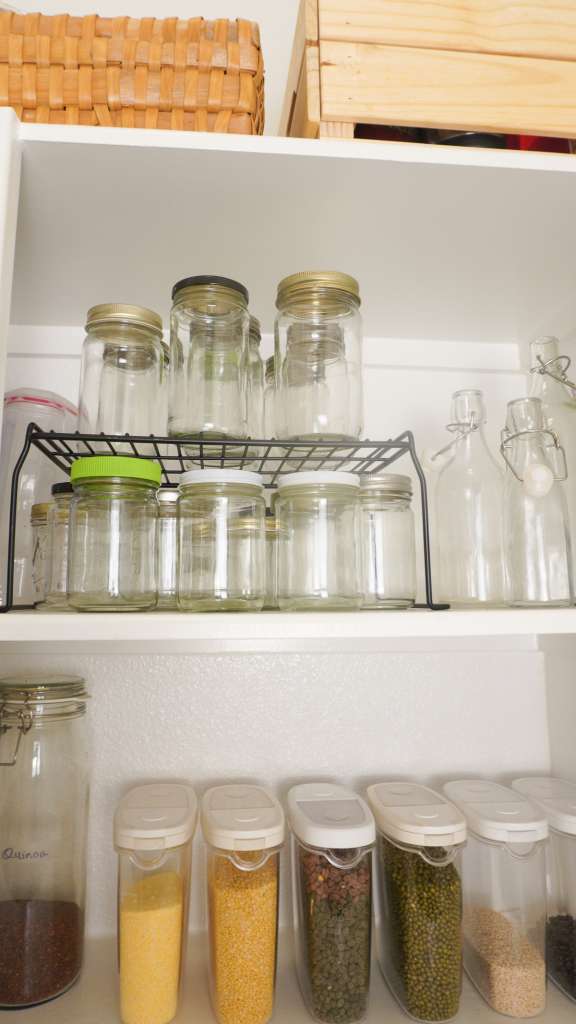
pixel 125 466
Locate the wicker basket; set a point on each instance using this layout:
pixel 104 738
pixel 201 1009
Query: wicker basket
pixel 192 75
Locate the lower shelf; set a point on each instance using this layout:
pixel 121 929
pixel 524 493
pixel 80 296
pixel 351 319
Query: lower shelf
pixel 94 1000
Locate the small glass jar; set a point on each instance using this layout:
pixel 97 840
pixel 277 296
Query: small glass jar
pixel 209 358
pixel 44 782
pixel 39 524
pixel 222 553
pixel 167 549
pixel 122 372
pixel 271 531
pixel 153 830
pixel 112 540
pixel 318 565
pixel 270 403
pixel 388 545
pixel 318 354
pixel 255 410
pixel 57 556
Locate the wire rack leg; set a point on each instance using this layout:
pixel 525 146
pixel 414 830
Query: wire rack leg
pixel 11 553
pixel 430 603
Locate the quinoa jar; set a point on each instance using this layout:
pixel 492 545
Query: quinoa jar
pixel 419 906
pixel 243 829
pixel 331 850
pixel 504 888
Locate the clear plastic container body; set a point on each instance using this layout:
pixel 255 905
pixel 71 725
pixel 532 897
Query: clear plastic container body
pixel 255 409
pixel 222 552
pixel 167 549
pixel 153 900
pixel 209 360
pixel 388 544
pixel 537 540
pixel 243 891
pixel 332 892
pixel 318 358
pixel 57 556
pixel 419 927
pixel 39 523
pixel 44 785
pixel 112 545
pixel 561 926
pixel 318 564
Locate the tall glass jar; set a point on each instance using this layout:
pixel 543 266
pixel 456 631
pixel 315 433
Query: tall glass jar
pixel 271 530
pixel 222 565
pixel 388 546
pixel 255 409
pixel 43 809
pixel 270 401
pixel 318 357
pixel 57 554
pixel 318 560
pixel 167 548
pixel 122 372
pixel 209 358
pixel 39 524
pixel 537 539
pixel 112 542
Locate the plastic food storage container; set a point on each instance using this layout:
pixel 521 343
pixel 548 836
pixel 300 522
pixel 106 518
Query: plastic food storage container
pixel 556 798
pixel 167 548
pixel 153 830
pixel 419 905
pixel 112 540
pixel 44 781
pixel 39 524
pixel 243 828
pixel 388 545
pixel 504 883
pixel 333 836
pixel 57 550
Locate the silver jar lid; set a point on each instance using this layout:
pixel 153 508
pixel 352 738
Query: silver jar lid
pixel 167 495
pixel 386 483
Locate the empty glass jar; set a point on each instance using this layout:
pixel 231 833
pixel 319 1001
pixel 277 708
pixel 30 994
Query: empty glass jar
pixel 167 548
pixel 318 357
pixel 112 539
pixel 318 561
pixel 255 409
pixel 388 569
pixel 221 541
pixel 39 524
pixel 57 557
pixel 271 530
pixel 209 358
pixel 270 398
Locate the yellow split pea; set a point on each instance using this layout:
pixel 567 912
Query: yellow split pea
pixel 150 926
pixel 243 934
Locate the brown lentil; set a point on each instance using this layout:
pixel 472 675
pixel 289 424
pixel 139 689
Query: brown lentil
pixel 40 949
pixel 507 968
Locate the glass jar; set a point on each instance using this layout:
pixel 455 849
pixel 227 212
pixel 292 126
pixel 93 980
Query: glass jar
pixel 39 524
pixel 270 398
pixel 332 839
pixel 57 555
pixel 243 828
pixel 209 358
pixel 222 564
pixel 318 514
pixel 388 543
pixel 504 887
pixel 153 830
pixel 556 798
pixel 44 812
pixel 112 541
pixel 271 533
pixel 318 353
pixel 419 907
pixel 167 549
pixel 122 373
pixel 255 395
pixel 537 540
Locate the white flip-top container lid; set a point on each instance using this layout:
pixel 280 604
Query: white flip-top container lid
pixel 330 817
pixel 415 815
pixel 555 797
pixel 497 813
pixel 242 818
pixel 157 817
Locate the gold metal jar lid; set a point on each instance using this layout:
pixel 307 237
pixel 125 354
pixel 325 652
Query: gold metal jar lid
pixel 296 284
pixel 39 513
pixel 123 313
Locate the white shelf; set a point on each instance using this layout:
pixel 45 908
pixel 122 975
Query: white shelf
pixel 94 999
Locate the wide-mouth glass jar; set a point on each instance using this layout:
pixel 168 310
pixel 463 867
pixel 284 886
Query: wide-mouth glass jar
pixel 112 539
pixel 388 546
pixel 167 548
pixel 318 357
pixel 57 552
pixel 221 516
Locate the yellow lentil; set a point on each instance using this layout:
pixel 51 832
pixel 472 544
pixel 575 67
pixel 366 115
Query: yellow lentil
pixel 243 932
pixel 150 927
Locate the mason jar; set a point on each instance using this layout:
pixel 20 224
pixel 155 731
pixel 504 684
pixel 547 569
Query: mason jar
pixel 387 541
pixel 167 548
pixel 57 551
pixel 318 565
pixel 209 358
pixel 44 772
pixel 271 533
pixel 318 357
pixel 112 542
pixel 39 524
pixel 122 372
pixel 221 516
pixel 255 409
pixel 270 402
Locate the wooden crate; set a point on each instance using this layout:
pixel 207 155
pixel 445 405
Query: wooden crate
pixel 129 72
pixel 478 65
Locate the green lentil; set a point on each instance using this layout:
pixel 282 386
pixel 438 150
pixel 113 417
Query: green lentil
pixel 422 919
pixel 336 920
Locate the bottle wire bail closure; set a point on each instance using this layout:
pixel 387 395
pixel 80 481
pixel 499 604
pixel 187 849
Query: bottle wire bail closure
pixel 538 482
pixel 462 431
pixel 557 369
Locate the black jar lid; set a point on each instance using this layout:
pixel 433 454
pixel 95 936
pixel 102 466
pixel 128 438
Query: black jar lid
pixel 203 279
pixel 64 488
